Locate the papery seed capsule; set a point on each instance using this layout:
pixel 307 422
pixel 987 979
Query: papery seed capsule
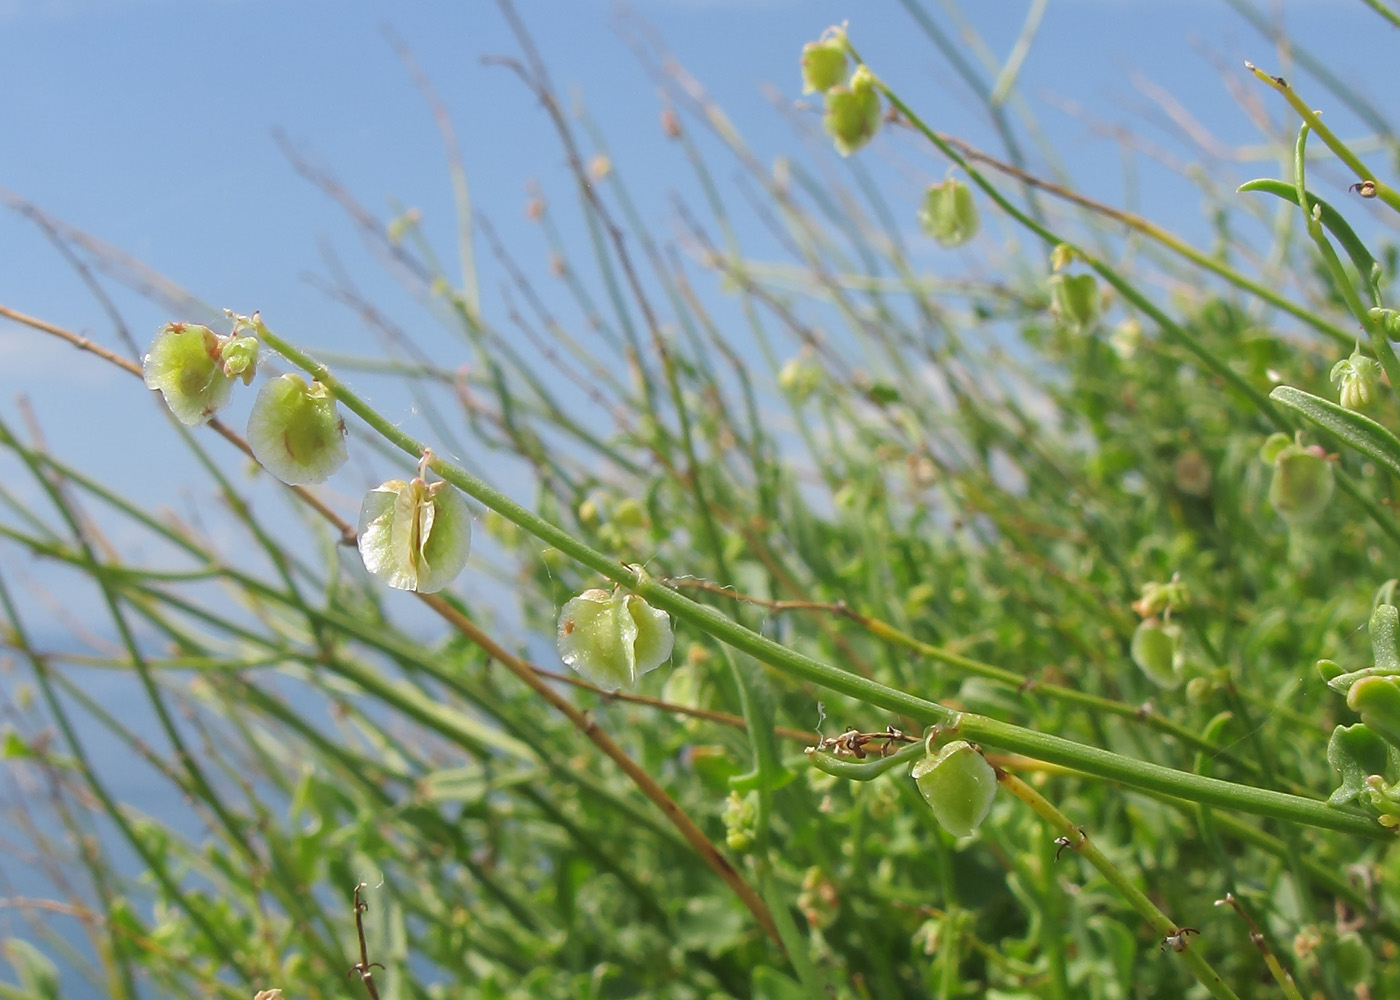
pixel 1156 649
pixel 1302 483
pixel 1075 300
pixel 184 363
pixel 958 784
pixel 612 638
pixel 824 62
pixel 295 431
pixel 949 213
pixel 853 112
pixel 415 536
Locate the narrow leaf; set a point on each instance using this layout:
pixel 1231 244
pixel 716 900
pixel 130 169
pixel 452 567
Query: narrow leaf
pixel 1361 432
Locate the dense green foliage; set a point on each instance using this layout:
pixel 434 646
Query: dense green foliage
pixel 1035 498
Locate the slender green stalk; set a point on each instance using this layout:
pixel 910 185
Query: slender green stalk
pixel 1377 188
pixel 1076 839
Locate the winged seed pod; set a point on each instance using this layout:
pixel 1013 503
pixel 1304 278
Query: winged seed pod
pixel 824 62
pixel 194 368
pixel 1157 650
pixel 1074 298
pixel 611 638
pixel 415 536
pixel 853 112
pixel 958 784
pixel 295 432
pixel 949 213
pixel 1303 479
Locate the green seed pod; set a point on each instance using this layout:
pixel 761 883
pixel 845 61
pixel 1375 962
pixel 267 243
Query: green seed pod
pixel 415 536
pixel 1157 650
pixel 613 638
pixel 1352 960
pixel 295 431
pixel 958 784
pixel 1074 298
pixel 949 213
pixel 184 363
pixel 824 62
pixel 853 112
pixel 1199 690
pixel 799 377
pixel 1274 446
pixel 629 513
pixel 1358 379
pixel 1302 483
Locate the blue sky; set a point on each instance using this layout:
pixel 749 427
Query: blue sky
pixel 148 123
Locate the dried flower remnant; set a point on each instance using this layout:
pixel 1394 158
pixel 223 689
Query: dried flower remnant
pixel 1357 379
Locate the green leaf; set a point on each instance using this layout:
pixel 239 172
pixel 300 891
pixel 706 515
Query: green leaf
pixel 1383 626
pixel 1355 752
pixel 1361 432
pixel 1377 701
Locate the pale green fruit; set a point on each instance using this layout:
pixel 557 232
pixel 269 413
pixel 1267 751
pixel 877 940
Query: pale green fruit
pixel 612 638
pixel 853 112
pixel 958 784
pixel 1075 299
pixel 823 64
pixel 414 536
pixel 949 213
pixel 184 364
pixel 295 432
pixel 1156 649
pixel 1302 483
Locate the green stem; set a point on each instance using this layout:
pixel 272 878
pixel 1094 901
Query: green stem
pixel 1042 746
pixel 1310 117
